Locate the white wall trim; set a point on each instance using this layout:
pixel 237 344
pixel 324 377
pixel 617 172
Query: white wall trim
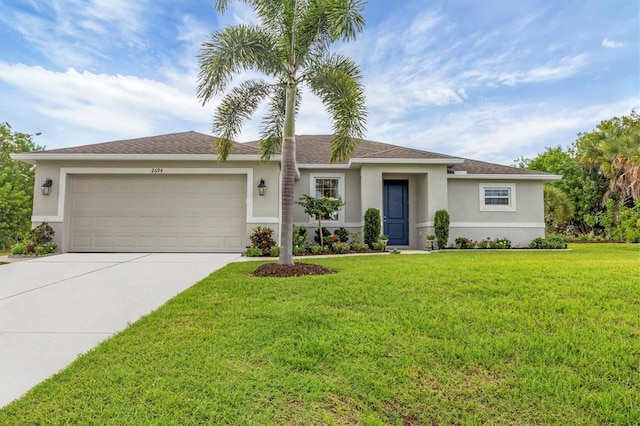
pixel 425 224
pixel 65 171
pixel 259 220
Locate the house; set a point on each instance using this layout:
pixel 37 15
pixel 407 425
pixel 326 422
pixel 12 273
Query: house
pixel 169 193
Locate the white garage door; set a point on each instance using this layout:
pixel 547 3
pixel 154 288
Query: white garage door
pixel 157 213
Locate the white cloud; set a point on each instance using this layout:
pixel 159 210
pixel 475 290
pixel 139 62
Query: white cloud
pixel 77 32
pixel 552 70
pixel 119 104
pixel 611 44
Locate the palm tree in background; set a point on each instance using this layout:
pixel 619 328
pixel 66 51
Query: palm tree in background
pixel 615 149
pixel 290 47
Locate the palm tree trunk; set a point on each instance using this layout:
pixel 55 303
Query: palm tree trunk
pixel 288 178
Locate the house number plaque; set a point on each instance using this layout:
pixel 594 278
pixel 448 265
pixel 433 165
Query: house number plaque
pixel 156 170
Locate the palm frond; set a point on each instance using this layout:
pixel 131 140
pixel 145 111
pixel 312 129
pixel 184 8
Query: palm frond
pixel 273 122
pixel 337 82
pixel 237 107
pixel 232 50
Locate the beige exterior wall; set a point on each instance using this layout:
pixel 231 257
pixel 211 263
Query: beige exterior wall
pixel 260 210
pixel 520 226
pixel 430 189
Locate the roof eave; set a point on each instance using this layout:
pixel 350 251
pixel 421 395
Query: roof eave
pixel 505 176
pixel 31 158
pixel 447 161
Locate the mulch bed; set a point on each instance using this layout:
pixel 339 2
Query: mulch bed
pixel 295 270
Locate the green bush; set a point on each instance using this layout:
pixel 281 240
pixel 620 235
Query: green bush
pixel 325 233
pixel 274 251
pixel 19 249
pixel 342 234
pixel 340 247
pixel 300 240
pixel 548 243
pixel 464 243
pixel 262 238
pixel 500 243
pixel 316 250
pixel 358 246
pixel 253 252
pixel 441 227
pixel 371 226
pixel 379 246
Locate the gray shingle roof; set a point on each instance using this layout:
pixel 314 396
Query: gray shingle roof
pixel 315 149
pixel 310 149
pixel 482 168
pixel 174 143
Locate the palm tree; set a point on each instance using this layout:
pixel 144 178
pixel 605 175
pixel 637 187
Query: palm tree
pixel 615 149
pixel 291 48
pixel 558 208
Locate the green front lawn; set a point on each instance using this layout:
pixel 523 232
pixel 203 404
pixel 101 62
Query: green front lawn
pixel 465 337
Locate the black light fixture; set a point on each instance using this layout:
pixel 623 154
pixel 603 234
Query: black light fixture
pixel 262 188
pixel 46 186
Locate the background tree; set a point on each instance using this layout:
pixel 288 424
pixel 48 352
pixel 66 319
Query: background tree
pixel 584 186
pixel 290 46
pixel 558 209
pixel 614 149
pixel 16 185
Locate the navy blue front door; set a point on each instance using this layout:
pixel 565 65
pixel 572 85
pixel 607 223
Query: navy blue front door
pixel 396 212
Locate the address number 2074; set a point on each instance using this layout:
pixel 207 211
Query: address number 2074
pixel 156 170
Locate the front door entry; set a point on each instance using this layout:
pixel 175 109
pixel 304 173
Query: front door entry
pixel 396 212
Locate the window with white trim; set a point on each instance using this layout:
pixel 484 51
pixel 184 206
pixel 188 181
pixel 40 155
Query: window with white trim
pixel 498 197
pixel 330 185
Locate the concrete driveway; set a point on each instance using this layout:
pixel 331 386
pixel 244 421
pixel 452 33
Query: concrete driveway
pixel 54 308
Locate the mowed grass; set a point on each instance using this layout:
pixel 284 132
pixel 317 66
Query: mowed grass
pixel 466 337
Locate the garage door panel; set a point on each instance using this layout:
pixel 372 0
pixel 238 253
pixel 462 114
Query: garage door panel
pixel 162 213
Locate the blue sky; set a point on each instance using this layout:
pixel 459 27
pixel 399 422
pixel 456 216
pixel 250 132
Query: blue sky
pixel 490 80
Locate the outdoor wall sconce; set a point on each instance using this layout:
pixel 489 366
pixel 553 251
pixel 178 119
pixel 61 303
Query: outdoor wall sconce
pixel 46 186
pixel 262 188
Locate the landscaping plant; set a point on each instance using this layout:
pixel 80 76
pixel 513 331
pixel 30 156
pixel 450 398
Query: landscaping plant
pixel 371 226
pixel 441 228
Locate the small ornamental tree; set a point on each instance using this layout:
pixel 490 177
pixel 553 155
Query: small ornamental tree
pixel 320 208
pixel 441 227
pixel 371 226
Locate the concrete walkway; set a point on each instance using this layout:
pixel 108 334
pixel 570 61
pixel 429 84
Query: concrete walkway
pixel 54 308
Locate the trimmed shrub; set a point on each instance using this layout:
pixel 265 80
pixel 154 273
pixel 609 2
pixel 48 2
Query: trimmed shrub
pixel 378 246
pixel 340 247
pixel 19 249
pixel 253 252
pixel 342 234
pixel 548 243
pixel 274 251
pixel 262 238
pixel 316 250
pixel 441 227
pixel 358 246
pixel 371 226
pixel 500 243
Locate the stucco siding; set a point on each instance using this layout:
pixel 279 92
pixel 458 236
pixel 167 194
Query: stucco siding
pixel 520 226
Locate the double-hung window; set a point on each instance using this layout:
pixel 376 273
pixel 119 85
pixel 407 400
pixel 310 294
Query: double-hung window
pixel 498 197
pixel 330 185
